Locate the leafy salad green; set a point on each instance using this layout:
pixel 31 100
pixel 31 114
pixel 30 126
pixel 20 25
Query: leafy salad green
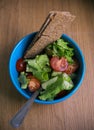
pixel 51 89
pixel 60 48
pixel 39 67
pixel 52 82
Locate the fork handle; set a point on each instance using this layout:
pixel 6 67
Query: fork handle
pixel 18 118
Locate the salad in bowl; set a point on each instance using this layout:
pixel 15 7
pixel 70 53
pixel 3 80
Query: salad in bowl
pixel 54 70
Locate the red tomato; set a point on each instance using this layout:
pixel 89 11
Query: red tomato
pixel 59 64
pixel 34 84
pixel 72 68
pixel 20 65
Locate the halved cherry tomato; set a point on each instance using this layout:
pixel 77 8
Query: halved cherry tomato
pixel 20 65
pixel 34 84
pixel 59 64
pixel 72 68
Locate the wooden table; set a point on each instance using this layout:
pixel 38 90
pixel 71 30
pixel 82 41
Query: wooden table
pixel 21 17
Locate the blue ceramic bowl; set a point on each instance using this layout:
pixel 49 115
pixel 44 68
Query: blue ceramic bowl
pixel 18 52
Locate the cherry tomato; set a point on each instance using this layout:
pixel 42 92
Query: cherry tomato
pixel 34 84
pixel 72 68
pixel 59 64
pixel 20 65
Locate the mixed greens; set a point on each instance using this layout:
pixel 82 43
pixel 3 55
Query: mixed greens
pixel 51 70
pixel 39 66
pixel 60 48
pixel 55 85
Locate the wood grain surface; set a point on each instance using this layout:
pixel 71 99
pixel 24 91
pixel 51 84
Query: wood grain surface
pixel 21 17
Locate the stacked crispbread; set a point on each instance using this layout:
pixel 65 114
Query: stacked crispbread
pixel 52 29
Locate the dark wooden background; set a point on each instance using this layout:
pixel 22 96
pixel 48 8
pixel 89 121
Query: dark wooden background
pixel 21 17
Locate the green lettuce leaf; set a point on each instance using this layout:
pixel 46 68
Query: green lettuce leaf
pixel 39 66
pixel 63 82
pixel 60 48
pixel 23 80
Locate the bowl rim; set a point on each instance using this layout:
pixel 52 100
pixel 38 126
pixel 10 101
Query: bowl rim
pixel 65 36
